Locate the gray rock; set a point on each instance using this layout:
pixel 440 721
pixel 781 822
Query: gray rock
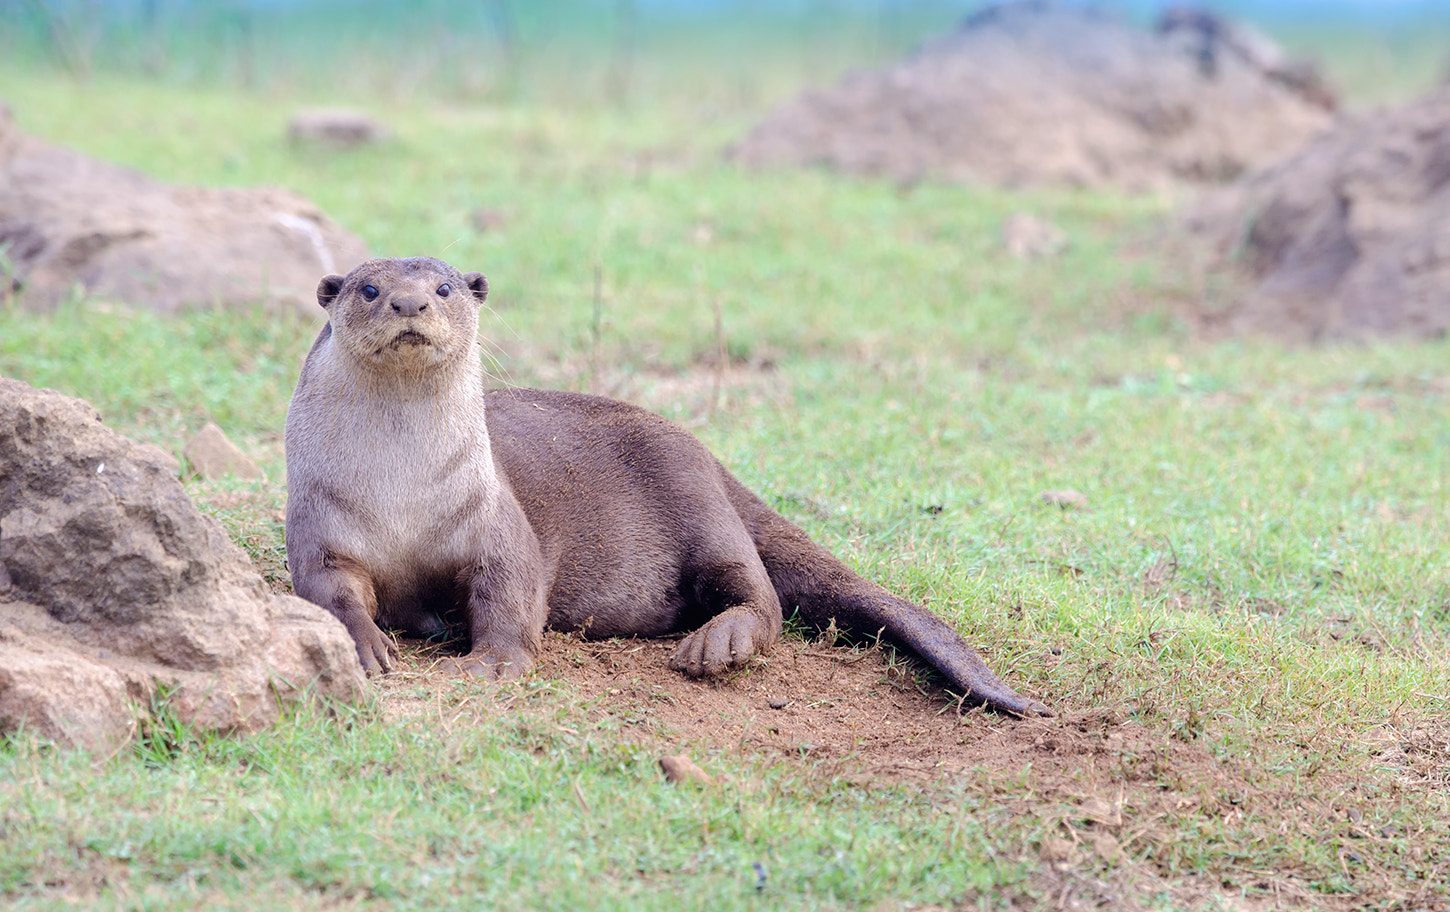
pixel 118 586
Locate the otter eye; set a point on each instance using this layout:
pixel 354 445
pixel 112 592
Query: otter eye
pixel 443 290
pixel 370 293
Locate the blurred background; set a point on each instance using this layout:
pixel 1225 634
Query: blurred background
pixel 616 51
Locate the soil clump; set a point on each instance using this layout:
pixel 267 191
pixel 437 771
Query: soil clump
pixel 1347 238
pixel 1032 93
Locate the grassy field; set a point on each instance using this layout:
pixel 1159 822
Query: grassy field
pixel 1254 602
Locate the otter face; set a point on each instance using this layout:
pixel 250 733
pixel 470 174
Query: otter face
pixel 408 314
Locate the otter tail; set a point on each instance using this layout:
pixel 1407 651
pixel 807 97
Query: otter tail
pixel 809 578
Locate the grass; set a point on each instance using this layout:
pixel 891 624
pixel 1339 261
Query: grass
pixel 498 814
pixel 1260 572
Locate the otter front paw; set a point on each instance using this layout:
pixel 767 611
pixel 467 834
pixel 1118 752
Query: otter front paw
pixel 728 640
pixel 375 649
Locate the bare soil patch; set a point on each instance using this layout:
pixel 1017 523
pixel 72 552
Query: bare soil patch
pixel 1035 93
pixel 863 713
pixel 1347 238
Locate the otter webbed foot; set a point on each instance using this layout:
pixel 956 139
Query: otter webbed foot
pixel 727 640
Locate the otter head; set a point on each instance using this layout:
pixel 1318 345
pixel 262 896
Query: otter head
pixel 404 314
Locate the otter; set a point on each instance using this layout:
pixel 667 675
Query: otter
pixel 422 501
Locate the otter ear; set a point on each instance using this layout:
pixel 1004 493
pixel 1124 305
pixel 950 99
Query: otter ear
pixel 328 288
pixel 477 284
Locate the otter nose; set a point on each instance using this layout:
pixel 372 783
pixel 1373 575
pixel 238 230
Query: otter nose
pixel 409 306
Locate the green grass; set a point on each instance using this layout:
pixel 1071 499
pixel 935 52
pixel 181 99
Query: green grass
pixel 494 814
pixel 1261 569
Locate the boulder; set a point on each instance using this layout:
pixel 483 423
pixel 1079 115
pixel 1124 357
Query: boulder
pixel 114 589
pixel 68 221
pixel 1033 93
pixel 1347 238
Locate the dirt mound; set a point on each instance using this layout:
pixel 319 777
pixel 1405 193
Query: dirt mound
pixel 68 220
pixel 1034 93
pixel 115 592
pixel 1350 236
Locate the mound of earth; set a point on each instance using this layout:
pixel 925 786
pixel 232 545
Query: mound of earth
pixel 67 221
pixel 117 595
pixel 1034 93
pixel 1350 236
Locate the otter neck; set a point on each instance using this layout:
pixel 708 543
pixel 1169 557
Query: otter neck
pixel 432 411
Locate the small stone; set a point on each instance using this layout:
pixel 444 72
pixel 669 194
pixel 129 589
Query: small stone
pixel 211 455
pixel 1105 846
pixel 779 703
pixel 1060 851
pixel 485 219
pixel 1027 237
pixel 340 128
pixel 1100 810
pixel 679 768
pixel 1066 499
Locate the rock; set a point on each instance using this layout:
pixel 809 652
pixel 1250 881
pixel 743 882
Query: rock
pixel 118 587
pixel 485 219
pixel 69 221
pixel 1027 237
pixel 211 455
pixel 1347 238
pixel 679 768
pixel 1038 93
pixel 94 714
pixel 340 128
pixel 1066 499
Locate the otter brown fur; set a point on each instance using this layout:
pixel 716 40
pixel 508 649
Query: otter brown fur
pixel 421 501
